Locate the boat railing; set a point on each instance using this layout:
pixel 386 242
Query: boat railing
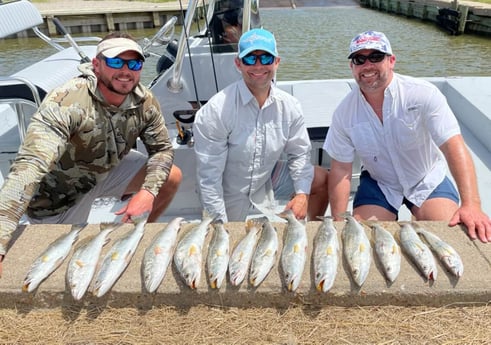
pixel 18 103
pixel 174 84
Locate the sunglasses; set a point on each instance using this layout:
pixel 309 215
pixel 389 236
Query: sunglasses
pixel 265 59
pixel 118 63
pixel 373 57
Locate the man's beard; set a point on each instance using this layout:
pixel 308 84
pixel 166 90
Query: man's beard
pixel 120 91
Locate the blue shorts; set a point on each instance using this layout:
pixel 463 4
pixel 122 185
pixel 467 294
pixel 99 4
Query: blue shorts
pixel 369 193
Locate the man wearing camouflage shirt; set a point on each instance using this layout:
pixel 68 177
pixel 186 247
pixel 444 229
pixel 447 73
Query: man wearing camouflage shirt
pixel 78 147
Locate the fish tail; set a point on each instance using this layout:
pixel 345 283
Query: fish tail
pixel 111 226
pixel 256 223
pixel 324 217
pixel 345 214
pixel 214 283
pixel 141 218
pixel 79 226
pixel 286 214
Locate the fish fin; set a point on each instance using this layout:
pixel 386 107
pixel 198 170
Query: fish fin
pixel 83 242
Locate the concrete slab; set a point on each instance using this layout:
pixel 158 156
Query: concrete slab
pixel 409 288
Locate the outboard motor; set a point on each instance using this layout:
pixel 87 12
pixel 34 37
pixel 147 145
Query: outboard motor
pixel 168 57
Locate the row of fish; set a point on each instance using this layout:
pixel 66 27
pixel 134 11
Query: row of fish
pixel 84 262
pixel 254 255
pixel 418 244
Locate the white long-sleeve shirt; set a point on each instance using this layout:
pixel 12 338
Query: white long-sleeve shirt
pixel 402 154
pixel 237 145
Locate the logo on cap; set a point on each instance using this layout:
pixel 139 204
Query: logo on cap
pixel 257 39
pixel 370 40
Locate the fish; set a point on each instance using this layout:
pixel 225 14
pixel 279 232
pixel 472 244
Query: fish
pixel 158 254
pixel 119 257
pixel 356 249
pixel 419 253
pixel 325 255
pixel 241 256
pixel 447 255
pixel 218 256
pixel 388 252
pixel 188 255
pixel 83 263
pixel 294 251
pixel 264 256
pixel 51 258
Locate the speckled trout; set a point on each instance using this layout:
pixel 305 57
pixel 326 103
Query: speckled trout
pixel 294 251
pixel 446 254
pixel 159 253
pixel 83 263
pixel 325 255
pixel 241 256
pixel 356 249
pixel 118 258
pixel 50 259
pixel 387 251
pixel 264 256
pixel 418 251
pixel 188 255
pixel 218 256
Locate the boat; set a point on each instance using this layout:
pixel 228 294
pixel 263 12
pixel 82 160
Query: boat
pixel 193 67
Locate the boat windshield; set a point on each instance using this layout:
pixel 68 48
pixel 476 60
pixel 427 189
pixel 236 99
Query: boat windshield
pixel 226 25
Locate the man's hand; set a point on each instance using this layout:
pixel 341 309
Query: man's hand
pixel 140 203
pixel 299 205
pixel 477 222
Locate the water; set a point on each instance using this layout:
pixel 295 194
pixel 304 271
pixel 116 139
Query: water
pixel 313 44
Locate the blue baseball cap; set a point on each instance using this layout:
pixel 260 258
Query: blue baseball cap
pixel 257 39
pixel 370 40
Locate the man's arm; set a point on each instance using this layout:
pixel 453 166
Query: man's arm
pixel 339 187
pixel 463 171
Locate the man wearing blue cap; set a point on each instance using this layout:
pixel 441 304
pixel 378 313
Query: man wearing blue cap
pixel 405 135
pixel 241 136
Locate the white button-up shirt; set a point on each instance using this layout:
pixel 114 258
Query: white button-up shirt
pixel 402 154
pixel 237 145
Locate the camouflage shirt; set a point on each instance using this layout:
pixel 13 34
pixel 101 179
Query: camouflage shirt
pixel 72 142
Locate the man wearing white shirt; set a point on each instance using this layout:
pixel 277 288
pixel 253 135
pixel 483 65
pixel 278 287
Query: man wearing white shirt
pixel 251 143
pixel 405 135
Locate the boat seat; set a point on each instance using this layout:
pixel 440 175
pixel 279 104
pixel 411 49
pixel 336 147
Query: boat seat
pixel 24 91
pixel 18 89
pixel 18 16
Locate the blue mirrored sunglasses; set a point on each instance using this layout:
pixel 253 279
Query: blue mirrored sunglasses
pixel 118 63
pixel 264 59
